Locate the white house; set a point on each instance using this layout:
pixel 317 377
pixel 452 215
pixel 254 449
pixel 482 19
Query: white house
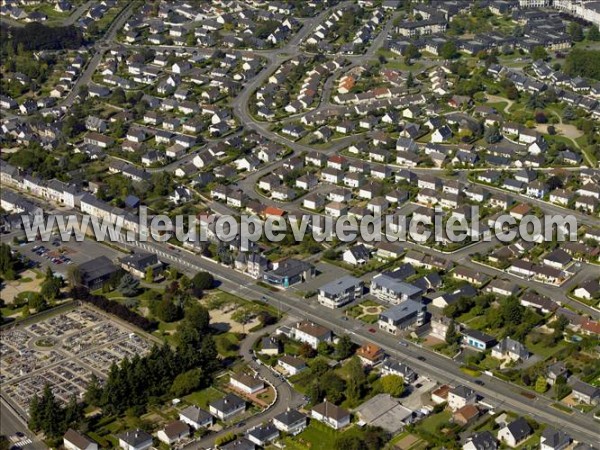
pixel 246 383
pixel 74 440
pixel 291 421
pixel 331 415
pixel 461 396
pixel 135 440
pixel 515 433
pixel 173 432
pixel 196 417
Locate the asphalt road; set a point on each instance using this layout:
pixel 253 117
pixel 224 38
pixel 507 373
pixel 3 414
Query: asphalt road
pixel 496 392
pixel 286 396
pixel 11 423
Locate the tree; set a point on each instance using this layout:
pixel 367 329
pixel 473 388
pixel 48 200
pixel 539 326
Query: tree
pixel 410 82
pixel 93 391
pixel 306 351
pixel 50 290
pixel 512 311
pixel 448 50
pixel 37 301
pixel 593 34
pixel 453 337
pixel 575 31
pixel 344 348
pixel 118 96
pixel 149 275
pixel 492 134
pixel 411 52
pixel 128 286
pixel 8 263
pixel 584 63
pixel 203 281
pixel 540 385
pixel 393 385
pixel 74 276
pixel 357 379
pixel 539 52
pixel 187 382
pixel 333 387
pixel 168 311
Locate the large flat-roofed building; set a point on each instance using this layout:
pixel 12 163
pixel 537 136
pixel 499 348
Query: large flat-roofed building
pixel 386 287
pixel 408 314
pixel 340 292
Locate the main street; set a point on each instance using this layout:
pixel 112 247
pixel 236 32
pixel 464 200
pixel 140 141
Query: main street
pixel 444 370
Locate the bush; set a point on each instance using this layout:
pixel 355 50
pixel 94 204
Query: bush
pixel 113 307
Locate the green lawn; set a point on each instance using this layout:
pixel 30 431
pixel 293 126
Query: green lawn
pixel 204 397
pixel 432 423
pixel 317 436
pixel 227 344
pixel 544 350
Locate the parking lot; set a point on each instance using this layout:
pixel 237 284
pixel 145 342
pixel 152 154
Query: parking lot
pixel 61 255
pixel 63 350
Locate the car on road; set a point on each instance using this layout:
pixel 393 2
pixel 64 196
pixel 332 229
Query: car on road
pixel 344 318
pixel 403 344
pixel 372 330
pixel 479 383
pixel 421 358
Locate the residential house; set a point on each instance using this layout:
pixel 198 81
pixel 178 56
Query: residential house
pixel 247 384
pixel 291 365
pixel 135 440
pixel 74 440
pixel 173 432
pixel 195 417
pixel 515 433
pixel 477 339
pixel 290 422
pixel 263 435
pixel 461 396
pixel 370 354
pixel 312 334
pixel 227 407
pixel 331 415
pixel 510 349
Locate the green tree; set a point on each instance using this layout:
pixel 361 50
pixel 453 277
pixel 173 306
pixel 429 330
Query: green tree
pixel 540 385
pixel 50 290
pixel 8 263
pixel 410 81
pixel 187 382
pixel 453 337
pixel 344 348
pixel 333 386
pixel 593 34
pixel 93 392
pixel 203 281
pixel 37 301
pixel 168 310
pixel 393 385
pixel 448 50
pixel 539 52
pixel 128 286
pixel 575 31
pixel 356 382
pixel 149 275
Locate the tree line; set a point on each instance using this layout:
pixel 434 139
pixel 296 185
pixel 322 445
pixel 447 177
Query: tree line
pixel 37 36
pixel 113 307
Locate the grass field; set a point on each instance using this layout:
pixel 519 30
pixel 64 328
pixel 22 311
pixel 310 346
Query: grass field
pixel 204 397
pixel 433 423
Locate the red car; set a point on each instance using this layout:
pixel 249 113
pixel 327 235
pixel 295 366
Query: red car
pixel 372 330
